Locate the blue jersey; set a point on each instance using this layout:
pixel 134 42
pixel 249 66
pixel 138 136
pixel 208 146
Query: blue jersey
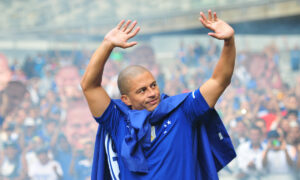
pixel 173 152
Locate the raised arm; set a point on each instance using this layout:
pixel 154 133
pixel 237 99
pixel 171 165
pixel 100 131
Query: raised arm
pixel 97 98
pixel 221 77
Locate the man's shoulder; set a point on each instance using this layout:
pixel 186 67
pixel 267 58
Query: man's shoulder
pixel 174 98
pixel 120 104
pixel 165 96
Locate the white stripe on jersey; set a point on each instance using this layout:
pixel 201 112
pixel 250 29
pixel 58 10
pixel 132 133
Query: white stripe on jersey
pixel 112 158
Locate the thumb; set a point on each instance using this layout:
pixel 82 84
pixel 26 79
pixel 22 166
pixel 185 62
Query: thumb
pixel 213 35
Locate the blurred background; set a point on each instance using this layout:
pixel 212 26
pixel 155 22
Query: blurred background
pixel 46 129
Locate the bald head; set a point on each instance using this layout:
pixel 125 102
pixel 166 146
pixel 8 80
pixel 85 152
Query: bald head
pixel 127 74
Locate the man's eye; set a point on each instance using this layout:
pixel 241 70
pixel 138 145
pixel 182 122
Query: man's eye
pixel 141 91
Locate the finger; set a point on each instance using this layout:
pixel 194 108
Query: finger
pixel 127 45
pixel 203 22
pixel 132 34
pixel 126 25
pixel 206 24
pixel 120 24
pixel 215 16
pixel 131 27
pixel 203 16
pixel 209 15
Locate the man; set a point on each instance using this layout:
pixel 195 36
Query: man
pixel 278 157
pixel 249 155
pixel 29 130
pixel 239 133
pixel 82 165
pixel 156 136
pixel 10 162
pixel 63 155
pixel 44 167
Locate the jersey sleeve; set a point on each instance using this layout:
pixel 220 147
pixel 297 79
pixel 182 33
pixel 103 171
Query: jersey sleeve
pixel 195 107
pixel 110 118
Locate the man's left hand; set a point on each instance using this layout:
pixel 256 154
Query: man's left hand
pixel 222 30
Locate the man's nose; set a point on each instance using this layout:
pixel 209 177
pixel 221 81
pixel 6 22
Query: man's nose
pixel 151 92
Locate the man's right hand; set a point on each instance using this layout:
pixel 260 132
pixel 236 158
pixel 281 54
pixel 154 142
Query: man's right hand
pixel 91 82
pixel 119 36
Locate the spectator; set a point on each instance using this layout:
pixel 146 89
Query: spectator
pixel 47 133
pixel 63 154
pixel 9 133
pixel 28 67
pixel 295 58
pixel 278 156
pixel 10 162
pixel 249 155
pixel 292 106
pixel 262 125
pixel 44 168
pixel 29 131
pixel 293 133
pixel 297 145
pixel 83 165
pixel 39 63
pixel 239 134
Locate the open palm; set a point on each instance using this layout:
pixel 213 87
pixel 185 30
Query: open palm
pixel 120 35
pixel 221 29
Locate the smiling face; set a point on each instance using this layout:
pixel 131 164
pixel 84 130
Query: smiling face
pixel 143 92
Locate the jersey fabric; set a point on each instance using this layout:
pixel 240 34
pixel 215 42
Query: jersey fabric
pixel 181 149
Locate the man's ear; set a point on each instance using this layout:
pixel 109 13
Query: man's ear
pixel 126 100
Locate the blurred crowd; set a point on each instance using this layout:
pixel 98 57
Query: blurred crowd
pixel 47 131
